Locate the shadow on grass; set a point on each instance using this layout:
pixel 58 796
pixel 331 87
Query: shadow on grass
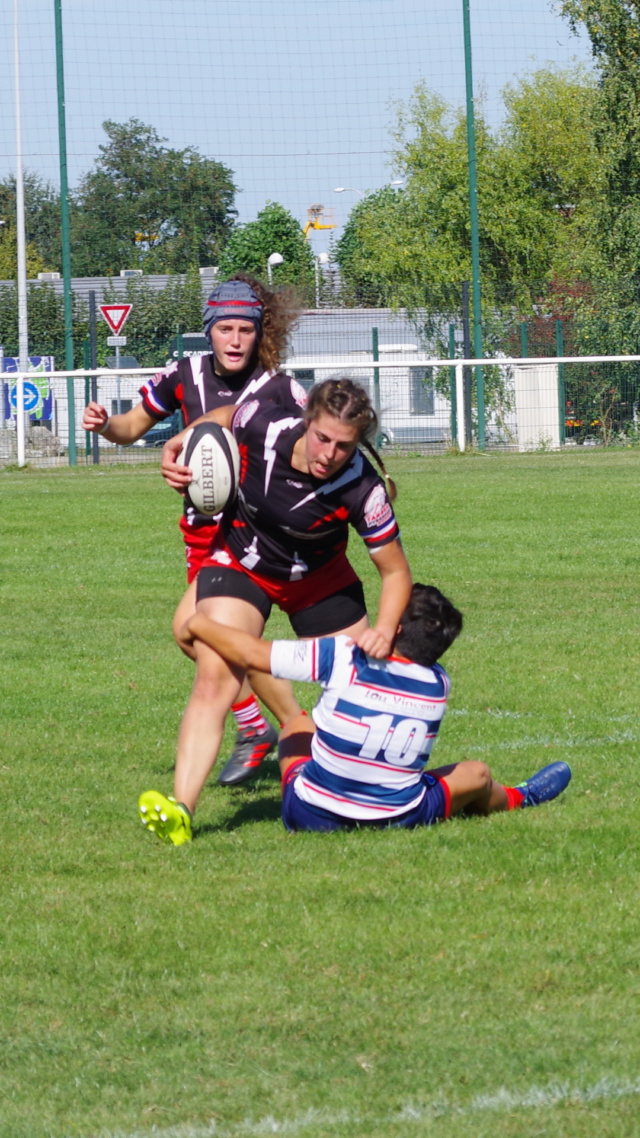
pixel 253 810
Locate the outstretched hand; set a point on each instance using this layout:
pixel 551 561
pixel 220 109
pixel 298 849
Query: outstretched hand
pixel 175 475
pixel 95 417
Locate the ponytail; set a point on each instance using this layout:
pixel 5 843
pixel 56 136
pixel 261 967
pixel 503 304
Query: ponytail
pixel 392 489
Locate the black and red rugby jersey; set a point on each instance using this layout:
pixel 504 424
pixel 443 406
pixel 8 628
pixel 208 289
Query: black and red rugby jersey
pixel 192 386
pixel 286 523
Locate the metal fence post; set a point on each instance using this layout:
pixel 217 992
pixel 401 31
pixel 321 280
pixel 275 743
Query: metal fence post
pixel 524 339
pixel 93 342
pixel 466 351
pixel 376 382
pixel 452 384
pixel 460 402
pixel 86 363
pixel 561 391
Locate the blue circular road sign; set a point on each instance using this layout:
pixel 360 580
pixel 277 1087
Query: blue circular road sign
pixel 31 396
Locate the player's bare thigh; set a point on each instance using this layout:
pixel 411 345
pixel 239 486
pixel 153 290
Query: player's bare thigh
pixel 186 608
pixel 234 613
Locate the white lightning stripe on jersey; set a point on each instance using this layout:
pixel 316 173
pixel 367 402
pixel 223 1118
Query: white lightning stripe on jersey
pixel 353 471
pixel 254 386
pixel 198 379
pixel 274 430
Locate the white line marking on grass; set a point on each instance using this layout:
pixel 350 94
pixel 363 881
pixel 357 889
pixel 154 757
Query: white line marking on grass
pixel 556 1094
pixel 616 737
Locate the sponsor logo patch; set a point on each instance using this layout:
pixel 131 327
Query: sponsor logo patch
pixel 245 412
pixel 298 392
pixel 377 509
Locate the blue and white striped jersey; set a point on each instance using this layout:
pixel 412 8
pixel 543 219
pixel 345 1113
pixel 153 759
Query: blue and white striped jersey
pixel 376 723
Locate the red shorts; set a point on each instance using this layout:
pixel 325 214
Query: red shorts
pixel 291 596
pixel 197 540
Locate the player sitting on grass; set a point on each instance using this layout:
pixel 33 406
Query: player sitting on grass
pixel 361 760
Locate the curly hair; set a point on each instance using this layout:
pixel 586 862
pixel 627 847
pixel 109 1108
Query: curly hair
pixel 280 311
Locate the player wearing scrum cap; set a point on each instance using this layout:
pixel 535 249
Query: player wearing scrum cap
pixel 247 326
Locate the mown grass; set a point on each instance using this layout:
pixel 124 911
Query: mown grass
pixel 476 979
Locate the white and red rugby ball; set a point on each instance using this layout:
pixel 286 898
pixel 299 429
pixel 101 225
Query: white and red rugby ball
pixel 212 454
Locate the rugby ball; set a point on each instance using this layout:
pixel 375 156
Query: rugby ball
pixel 212 454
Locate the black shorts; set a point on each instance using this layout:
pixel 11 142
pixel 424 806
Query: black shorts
pixel 324 618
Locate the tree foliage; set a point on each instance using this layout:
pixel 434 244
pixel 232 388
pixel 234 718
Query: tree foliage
pixel 275 230
pixel 148 206
pixel 614 29
pixel 42 226
pixel 536 177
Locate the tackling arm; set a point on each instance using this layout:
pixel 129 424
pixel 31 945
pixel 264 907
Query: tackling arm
pixel 394 571
pixel 236 647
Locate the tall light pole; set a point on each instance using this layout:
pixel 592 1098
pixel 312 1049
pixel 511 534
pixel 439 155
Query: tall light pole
pixel 473 212
pixel 66 246
pixel 321 259
pixel 341 190
pixel 273 259
pixel 23 329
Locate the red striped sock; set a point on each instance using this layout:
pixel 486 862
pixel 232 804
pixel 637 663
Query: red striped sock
pixel 248 715
pixel 515 797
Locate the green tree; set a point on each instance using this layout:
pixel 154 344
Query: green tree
pixel 148 206
pixel 275 230
pixel 42 223
pixel 614 29
pixel 534 177
pixel 9 256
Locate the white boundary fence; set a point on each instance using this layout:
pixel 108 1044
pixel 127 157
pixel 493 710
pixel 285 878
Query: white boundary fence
pixel 410 409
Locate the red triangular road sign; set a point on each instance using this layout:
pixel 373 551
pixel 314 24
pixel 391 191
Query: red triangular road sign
pixel 115 315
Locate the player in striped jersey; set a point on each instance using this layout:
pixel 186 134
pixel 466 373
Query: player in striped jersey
pixel 361 761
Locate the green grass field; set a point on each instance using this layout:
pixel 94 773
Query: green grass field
pixel 477 979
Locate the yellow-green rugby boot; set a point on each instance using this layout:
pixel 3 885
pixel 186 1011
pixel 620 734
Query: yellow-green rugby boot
pixel 164 817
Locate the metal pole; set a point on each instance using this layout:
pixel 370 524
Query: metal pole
pixel 118 387
pixel 86 358
pixel 466 351
pixel 93 350
pixel 2 418
pixel 452 383
pixel 473 213
pixel 23 331
pixel 524 339
pixel 562 398
pixel 376 382
pixel 66 245
pixel 460 401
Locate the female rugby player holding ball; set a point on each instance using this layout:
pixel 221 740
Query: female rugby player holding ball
pixel 304 480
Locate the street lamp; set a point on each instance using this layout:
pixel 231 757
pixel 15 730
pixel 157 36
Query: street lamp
pixel 341 189
pixel 321 259
pixel 273 259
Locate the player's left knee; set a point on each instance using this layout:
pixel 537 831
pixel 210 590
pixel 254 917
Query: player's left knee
pixel 481 775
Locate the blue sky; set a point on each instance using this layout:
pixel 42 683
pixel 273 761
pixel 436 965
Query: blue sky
pixel 296 96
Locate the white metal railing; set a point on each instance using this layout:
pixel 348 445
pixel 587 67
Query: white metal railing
pixel 325 363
